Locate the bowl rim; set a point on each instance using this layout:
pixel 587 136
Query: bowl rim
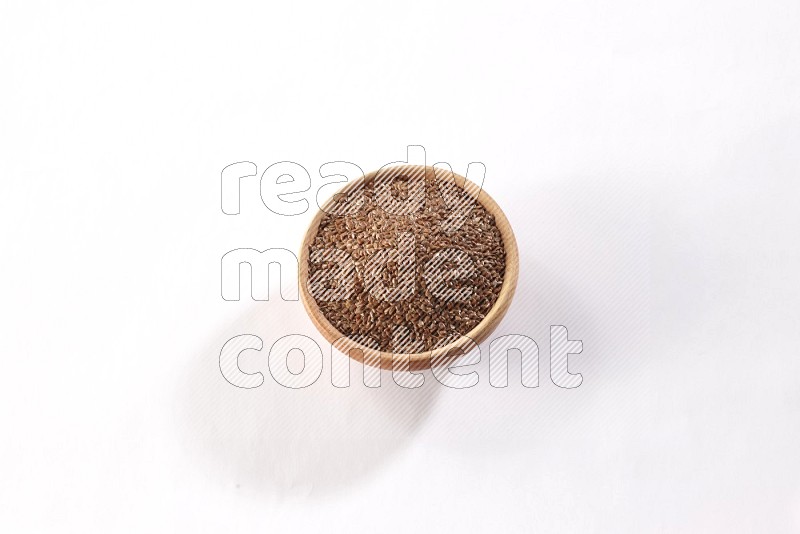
pixel 419 360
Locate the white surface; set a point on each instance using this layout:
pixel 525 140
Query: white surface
pixel 646 154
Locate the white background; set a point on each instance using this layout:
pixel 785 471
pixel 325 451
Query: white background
pixel 646 154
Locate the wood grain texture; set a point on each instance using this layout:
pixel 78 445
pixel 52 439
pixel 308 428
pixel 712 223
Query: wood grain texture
pixel 420 360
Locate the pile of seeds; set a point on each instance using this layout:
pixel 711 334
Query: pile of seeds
pixel 383 248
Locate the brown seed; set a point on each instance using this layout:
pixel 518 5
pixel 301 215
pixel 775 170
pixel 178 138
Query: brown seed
pixel 430 321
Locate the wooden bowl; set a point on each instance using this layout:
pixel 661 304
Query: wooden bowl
pixel 422 360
